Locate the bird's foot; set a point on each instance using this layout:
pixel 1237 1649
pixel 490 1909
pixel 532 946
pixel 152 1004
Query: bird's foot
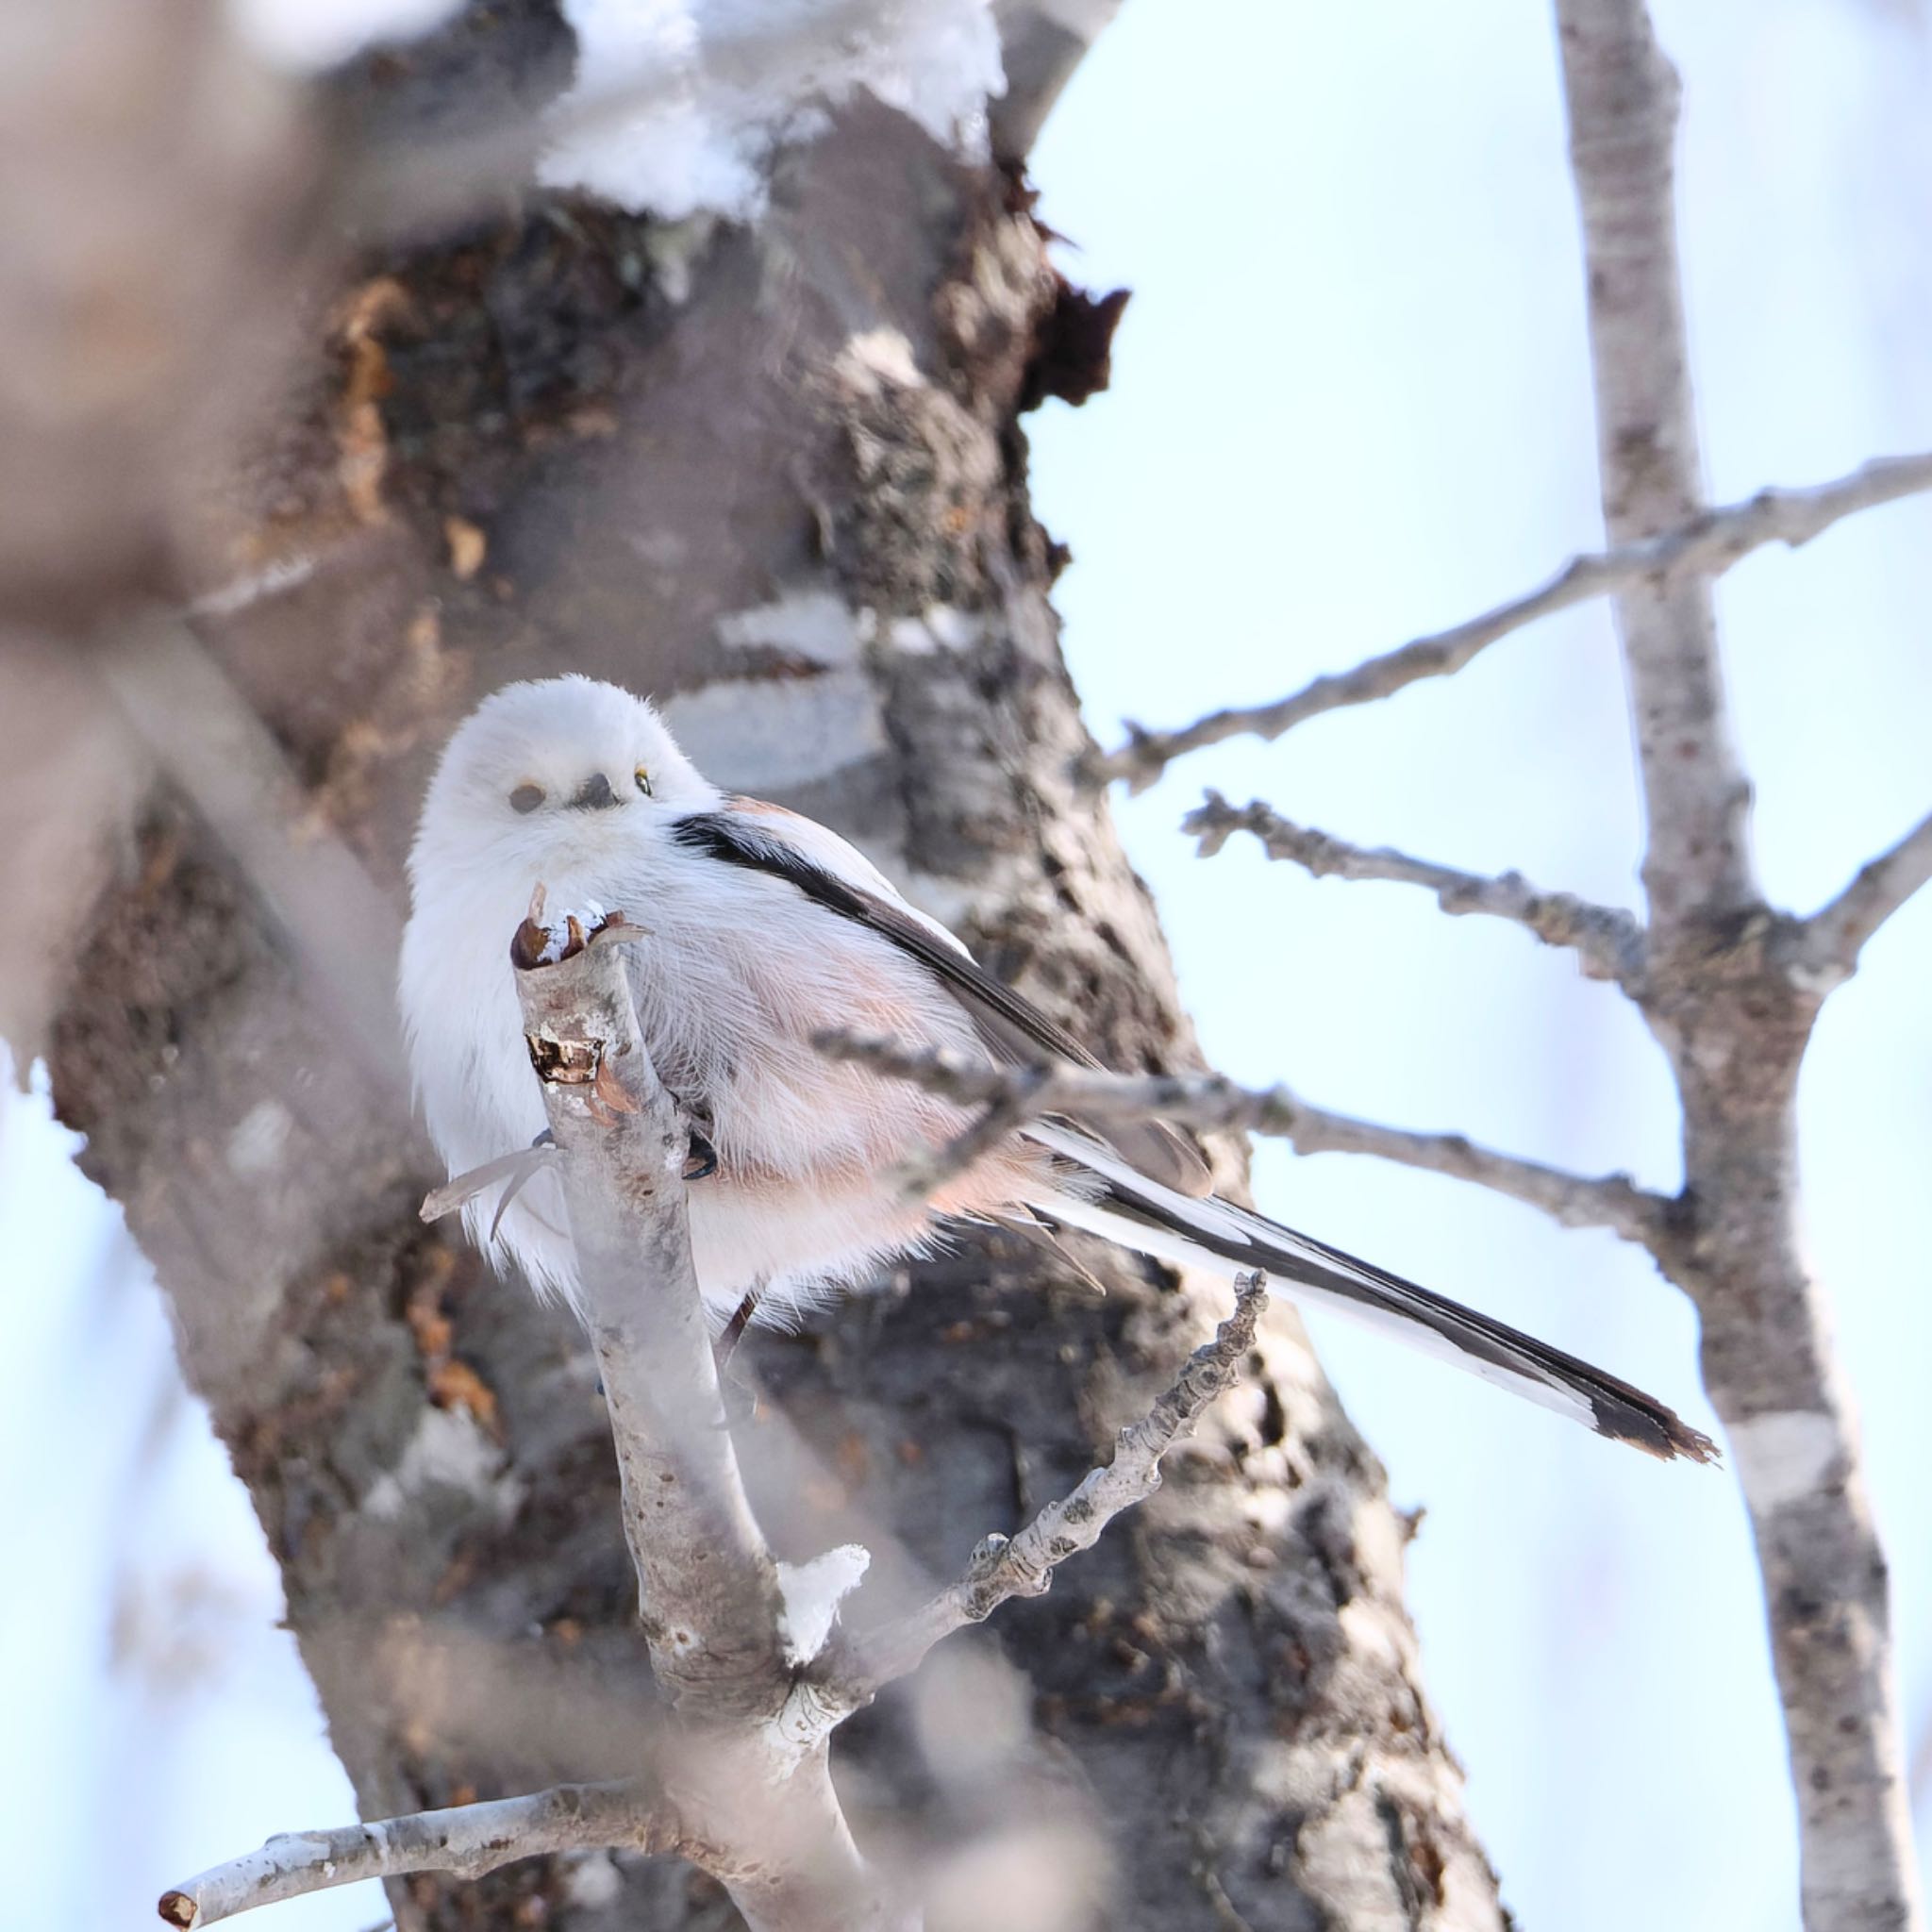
pixel 701 1162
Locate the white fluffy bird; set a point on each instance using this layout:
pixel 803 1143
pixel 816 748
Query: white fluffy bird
pixel 760 930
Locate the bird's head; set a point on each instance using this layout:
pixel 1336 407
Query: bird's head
pixel 551 769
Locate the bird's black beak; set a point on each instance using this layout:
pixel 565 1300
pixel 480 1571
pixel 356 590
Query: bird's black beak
pixel 596 794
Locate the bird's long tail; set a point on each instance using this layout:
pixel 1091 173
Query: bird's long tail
pixel 1154 1220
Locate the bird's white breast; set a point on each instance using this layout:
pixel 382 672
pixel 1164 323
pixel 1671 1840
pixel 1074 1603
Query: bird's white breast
pixel 736 972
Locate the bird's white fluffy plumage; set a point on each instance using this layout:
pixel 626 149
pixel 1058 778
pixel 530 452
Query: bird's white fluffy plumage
pixel 762 929
pixel 734 974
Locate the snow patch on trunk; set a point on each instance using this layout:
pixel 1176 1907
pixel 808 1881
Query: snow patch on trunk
pixel 812 1593
pixel 679 105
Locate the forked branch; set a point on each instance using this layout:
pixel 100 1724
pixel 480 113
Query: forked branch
pixel 754 1704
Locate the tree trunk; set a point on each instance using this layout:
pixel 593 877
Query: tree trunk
pixel 775 476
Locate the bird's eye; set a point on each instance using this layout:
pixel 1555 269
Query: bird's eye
pixel 526 799
pixel 643 778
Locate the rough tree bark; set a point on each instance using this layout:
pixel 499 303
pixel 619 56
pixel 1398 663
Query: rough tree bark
pixel 775 474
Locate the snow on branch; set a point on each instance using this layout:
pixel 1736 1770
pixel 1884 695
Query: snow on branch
pixel 857 1667
pixel 1608 939
pixel 1835 934
pixel 681 109
pixel 1704 545
pixel 1211 1100
pixel 467 1841
pixel 737 96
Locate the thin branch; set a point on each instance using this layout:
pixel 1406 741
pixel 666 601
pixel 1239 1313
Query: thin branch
pixel 1701 545
pixel 1011 1106
pixel 1211 1099
pixel 854 1669
pixel 1836 934
pixel 467 1841
pixel 1607 940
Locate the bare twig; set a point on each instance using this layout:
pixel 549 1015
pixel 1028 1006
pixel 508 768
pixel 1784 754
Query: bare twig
pixel 1700 543
pixel 1607 940
pixel 1835 934
pixel 467 1840
pixel 1211 1099
pixel 856 1667
pixel 1735 1015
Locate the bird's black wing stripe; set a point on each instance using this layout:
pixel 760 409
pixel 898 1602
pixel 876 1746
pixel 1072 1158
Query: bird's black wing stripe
pixel 1001 1013
pixel 717 836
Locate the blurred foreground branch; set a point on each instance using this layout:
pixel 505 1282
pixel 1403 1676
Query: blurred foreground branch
pixel 1014 1095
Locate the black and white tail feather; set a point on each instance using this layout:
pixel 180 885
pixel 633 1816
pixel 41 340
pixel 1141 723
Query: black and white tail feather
pixel 1141 1214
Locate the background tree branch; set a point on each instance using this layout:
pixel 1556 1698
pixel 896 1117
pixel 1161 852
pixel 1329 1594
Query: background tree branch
pixel 1698 544
pixel 1606 938
pixel 1733 1017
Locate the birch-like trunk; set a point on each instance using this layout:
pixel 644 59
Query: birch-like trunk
pixel 776 477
